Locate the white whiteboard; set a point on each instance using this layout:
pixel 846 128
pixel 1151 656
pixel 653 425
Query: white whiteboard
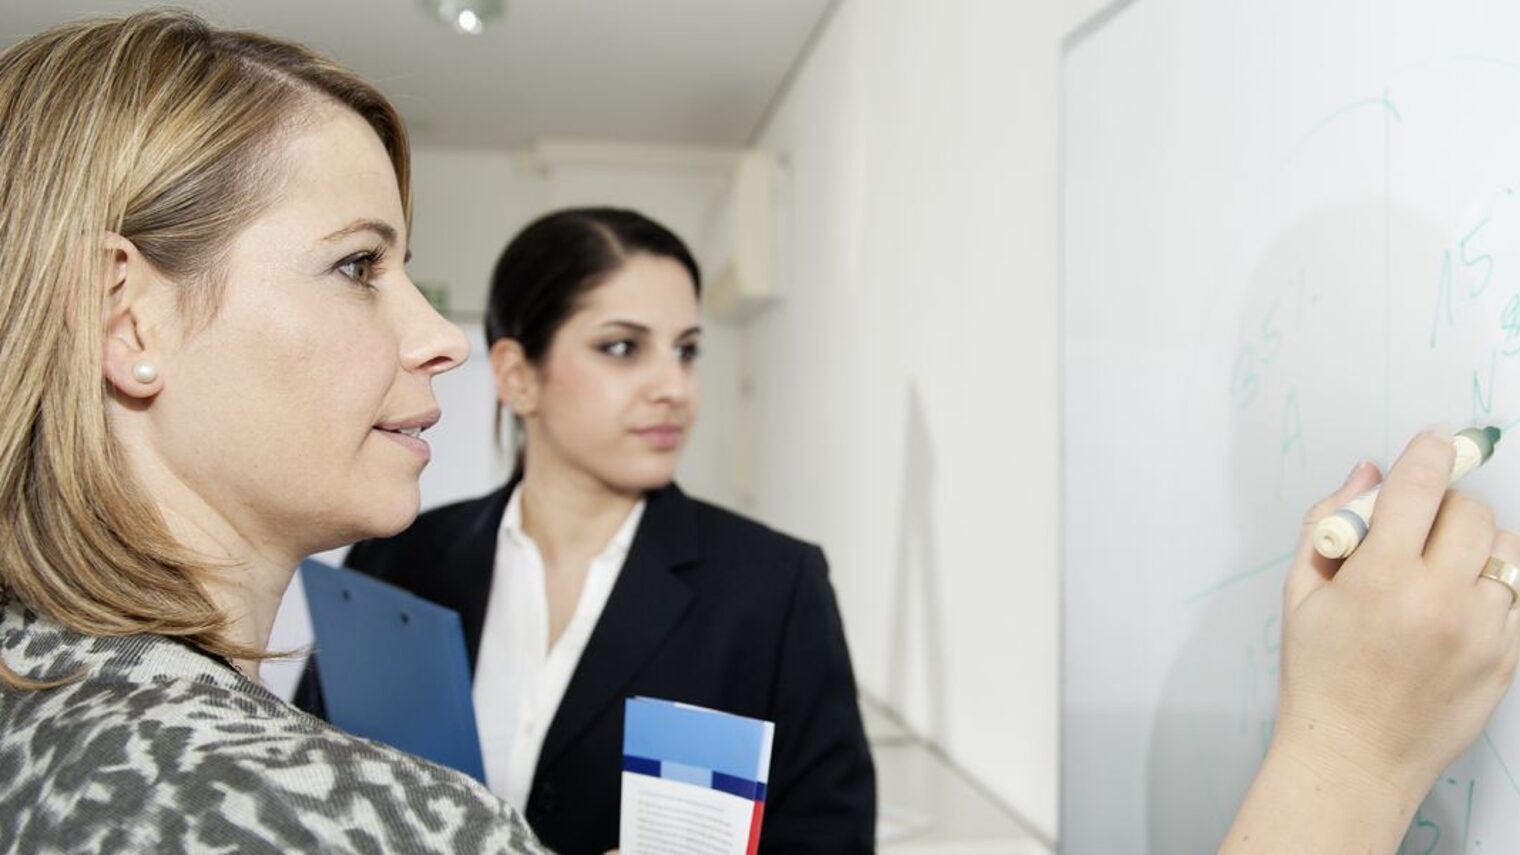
pixel 1291 239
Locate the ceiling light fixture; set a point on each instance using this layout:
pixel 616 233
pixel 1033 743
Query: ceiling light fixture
pixel 464 16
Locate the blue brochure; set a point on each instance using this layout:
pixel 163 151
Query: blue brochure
pixel 392 667
pixel 693 780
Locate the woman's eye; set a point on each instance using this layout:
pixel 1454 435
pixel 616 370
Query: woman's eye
pixel 689 352
pixel 360 268
pixel 619 349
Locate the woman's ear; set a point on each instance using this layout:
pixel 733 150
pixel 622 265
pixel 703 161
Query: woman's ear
pixel 131 361
pixel 516 380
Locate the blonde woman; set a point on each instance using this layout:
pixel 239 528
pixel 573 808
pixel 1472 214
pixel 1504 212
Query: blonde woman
pixel 214 364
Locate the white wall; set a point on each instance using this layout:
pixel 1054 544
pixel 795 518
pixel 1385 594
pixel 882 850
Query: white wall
pixel 466 205
pixel 906 387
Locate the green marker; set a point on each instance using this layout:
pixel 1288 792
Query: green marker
pixel 1339 534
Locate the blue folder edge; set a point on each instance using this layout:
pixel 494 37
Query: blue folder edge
pixel 393 667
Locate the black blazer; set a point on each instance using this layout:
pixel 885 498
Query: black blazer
pixel 711 609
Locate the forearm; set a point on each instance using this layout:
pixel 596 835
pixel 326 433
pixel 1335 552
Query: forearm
pixel 1309 800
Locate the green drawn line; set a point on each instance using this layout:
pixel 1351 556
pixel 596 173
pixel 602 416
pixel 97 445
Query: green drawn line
pixel 1489 741
pixel 1467 817
pixel 1242 576
pixel 1381 103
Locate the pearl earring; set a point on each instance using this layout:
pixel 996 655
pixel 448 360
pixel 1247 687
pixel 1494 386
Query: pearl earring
pixel 144 371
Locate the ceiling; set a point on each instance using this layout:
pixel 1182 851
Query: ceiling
pixel 688 71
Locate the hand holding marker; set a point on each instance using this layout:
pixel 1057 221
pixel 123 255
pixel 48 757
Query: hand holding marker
pixel 1339 534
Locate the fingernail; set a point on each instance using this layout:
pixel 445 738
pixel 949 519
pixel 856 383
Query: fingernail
pixel 1356 470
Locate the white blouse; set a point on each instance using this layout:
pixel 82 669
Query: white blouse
pixel 519 680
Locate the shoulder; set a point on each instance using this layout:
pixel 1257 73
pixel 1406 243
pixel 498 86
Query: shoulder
pixel 733 551
pixel 725 532
pixel 280 777
pixel 357 789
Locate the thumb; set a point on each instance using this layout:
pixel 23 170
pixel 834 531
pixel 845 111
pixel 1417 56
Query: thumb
pixel 1311 571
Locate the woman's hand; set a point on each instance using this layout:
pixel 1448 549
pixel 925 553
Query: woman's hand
pixel 1392 663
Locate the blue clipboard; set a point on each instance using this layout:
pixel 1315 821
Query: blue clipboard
pixel 393 667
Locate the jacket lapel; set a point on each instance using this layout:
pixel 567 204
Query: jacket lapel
pixel 646 603
pixel 470 566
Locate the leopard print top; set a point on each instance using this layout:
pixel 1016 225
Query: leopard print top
pixel 160 748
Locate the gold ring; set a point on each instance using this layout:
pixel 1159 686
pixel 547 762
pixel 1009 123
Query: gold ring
pixel 1504 573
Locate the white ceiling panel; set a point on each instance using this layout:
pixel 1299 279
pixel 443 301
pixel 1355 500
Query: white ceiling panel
pixel 696 71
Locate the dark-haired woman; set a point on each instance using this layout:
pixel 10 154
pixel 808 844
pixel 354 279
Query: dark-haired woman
pixel 590 577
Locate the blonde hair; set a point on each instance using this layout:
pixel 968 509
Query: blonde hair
pixel 169 132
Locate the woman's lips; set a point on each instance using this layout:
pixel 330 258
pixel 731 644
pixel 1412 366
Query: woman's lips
pixel 662 438
pixel 416 444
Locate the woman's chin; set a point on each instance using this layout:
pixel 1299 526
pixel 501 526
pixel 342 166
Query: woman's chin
pixel 638 483
pixel 384 519
pixel 396 523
